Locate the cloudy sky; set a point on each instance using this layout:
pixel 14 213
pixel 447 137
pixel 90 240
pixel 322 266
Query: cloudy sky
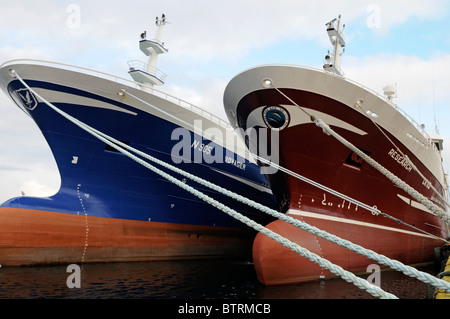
pixel 210 41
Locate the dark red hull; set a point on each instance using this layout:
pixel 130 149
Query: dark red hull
pixel 305 149
pixel 276 264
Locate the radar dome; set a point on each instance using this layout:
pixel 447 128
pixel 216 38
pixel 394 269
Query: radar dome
pixel 390 90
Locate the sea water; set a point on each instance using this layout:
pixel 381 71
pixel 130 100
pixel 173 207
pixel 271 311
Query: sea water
pixel 194 279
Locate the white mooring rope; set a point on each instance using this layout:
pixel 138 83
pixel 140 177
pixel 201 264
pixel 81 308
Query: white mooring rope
pixel 371 209
pixel 337 270
pixel 396 180
pixel 293 246
pixel 438 194
pixel 396 265
pixel 407 270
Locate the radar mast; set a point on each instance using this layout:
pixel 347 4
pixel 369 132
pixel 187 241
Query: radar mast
pixel 147 73
pixel 335 33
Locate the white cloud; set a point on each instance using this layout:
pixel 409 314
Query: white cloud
pixel 32 181
pixel 203 30
pixel 26 162
pixel 206 93
pixel 422 87
pixel 418 79
pixel 11 53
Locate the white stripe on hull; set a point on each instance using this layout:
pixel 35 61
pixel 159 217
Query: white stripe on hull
pixel 354 222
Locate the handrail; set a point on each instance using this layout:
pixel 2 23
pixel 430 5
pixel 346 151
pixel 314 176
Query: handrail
pixel 419 127
pixel 168 97
pixel 136 65
pixel 403 112
pixel 398 108
pixel 202 111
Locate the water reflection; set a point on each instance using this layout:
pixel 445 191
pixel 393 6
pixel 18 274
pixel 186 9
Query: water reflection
pixel 200 279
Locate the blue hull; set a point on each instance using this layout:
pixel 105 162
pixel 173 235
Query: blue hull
pixel 102 182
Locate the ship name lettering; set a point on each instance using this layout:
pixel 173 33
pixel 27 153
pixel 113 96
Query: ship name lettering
pixel 400 159
pixel 202 147
pixel 232 161
pixel 426 183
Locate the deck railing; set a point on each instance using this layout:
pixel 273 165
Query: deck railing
pixel 182 103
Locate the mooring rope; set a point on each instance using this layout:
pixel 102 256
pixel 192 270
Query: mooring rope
pixel 335 269
pixel 396 180
pixel 410 271
pixel 294 174
pixel 404 156
pixel 396 265
pixel 356 248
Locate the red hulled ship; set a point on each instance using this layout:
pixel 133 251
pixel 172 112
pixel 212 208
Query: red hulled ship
pixel 285 101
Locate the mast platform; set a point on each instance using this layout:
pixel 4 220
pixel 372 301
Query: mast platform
pixel 149 46
pixel 147 73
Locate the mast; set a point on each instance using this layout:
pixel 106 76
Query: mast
pixel 335 33
pixel 147 73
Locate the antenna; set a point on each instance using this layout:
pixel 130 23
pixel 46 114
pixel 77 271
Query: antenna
pixel 335 33
pixel 436 125
pixel 160 22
